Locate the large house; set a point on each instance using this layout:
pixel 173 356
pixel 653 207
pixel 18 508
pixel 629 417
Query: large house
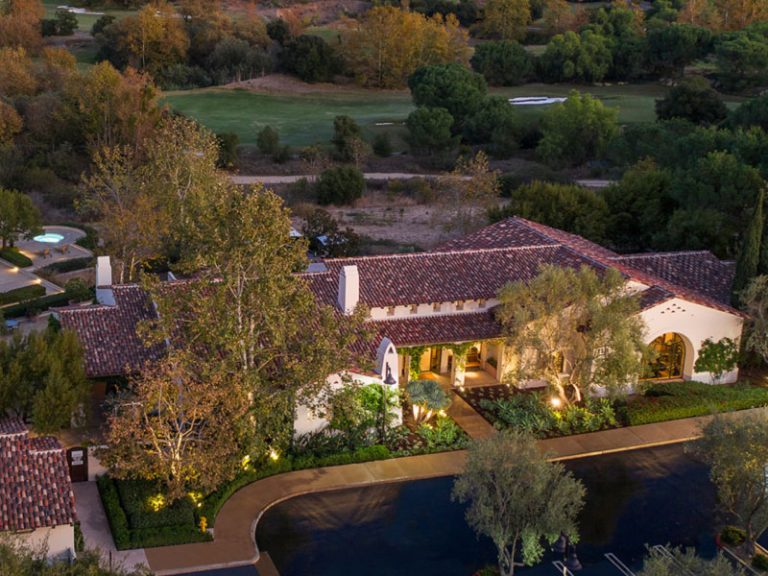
pixel 426 303
pixel 37 504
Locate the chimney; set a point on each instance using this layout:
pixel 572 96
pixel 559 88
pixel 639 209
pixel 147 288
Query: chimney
pixel 349 289
pixel 104 293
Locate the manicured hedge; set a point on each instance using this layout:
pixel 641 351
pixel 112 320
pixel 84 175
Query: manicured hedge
pixel 674 400
pixel 38 305
pixel 22 294
pixel 133 498
pixel 127 536
pixel 214 501
pixel 15 257
pixel 68 265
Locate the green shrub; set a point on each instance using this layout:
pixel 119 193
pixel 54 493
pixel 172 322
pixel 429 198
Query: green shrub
pixel 675 400
pixel 134 498
pixel 382 145
pixel 340 185
pixel 15 257
pixel 733 536
pixel 37 305
pixel 760 562
pixel 532 414
pixel 441 435
pixel 118 522
pixel 22 294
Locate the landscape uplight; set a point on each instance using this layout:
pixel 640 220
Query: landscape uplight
pixel 555 402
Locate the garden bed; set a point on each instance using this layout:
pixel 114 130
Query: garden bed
pixel 506 407
pixel 23 294
pixel 674 400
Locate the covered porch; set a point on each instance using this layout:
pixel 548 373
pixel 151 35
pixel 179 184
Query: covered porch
pixel 455 365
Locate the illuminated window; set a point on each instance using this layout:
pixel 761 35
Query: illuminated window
pixel 669 356
pixel 481 303
pixel 414 308
pixel 460 305
pixel 390 310
pixel 436 307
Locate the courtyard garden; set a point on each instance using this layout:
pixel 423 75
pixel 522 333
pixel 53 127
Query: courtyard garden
pixel 538 413
pixel 361 429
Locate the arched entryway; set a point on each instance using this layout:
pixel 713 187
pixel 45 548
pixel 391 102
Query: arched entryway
pixel 670 354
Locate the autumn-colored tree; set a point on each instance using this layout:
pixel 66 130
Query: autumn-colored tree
pixel 724 14
pixel 560 16
pixel 467 193
pixel 57 67
pixel 20 24
pixel 178 423
pixel 506 19
pixel 153 39
pixel 134 221
pixel 18 77
pixel 10 123
pixel 387 45
pixel 108 108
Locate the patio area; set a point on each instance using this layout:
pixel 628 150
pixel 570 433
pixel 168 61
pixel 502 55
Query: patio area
pixel 473 378
pixel 56 244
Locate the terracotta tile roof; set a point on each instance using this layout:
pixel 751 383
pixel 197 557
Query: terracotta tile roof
pixel 678 287
pixel 470 268
pixel 108 333
pixel 440 329
pixel 35 489
pixel 700 271
pixel 405 279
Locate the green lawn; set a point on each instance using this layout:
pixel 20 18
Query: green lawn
pixel 301 120
pixel 86 21
pixel 304 119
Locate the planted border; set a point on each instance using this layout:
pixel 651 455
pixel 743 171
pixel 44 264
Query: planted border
pixel 15 257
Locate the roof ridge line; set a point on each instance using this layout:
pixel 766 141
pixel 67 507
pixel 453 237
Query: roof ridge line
pixel 440 253
pixel 668 253
pixel 440 315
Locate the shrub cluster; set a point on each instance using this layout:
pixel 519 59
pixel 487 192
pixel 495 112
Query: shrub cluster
pixel 674 400
pixel 530 413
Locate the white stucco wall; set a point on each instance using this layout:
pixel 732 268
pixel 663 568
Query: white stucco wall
pixel 428 309
pixel 308 420
pixel 59 541
pixel 695 323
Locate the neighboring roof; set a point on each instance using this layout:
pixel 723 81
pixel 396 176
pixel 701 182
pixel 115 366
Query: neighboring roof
pixel 405 279
pixel 700 271
pixel 35 489
pixel 108 335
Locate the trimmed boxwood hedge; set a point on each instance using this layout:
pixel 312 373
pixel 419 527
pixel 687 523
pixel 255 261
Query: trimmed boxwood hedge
pixel 675 400
pixel 68 265
pixel 180 527
pixel 133 525
pixel 15 257
pixel 22 294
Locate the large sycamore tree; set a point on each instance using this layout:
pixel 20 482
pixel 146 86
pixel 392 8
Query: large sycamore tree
pixel 248 312
pixel 181 424
pixel 737 453
pixel 517 498
pixel 574 328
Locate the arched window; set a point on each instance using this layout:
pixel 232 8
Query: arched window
pixel 669 350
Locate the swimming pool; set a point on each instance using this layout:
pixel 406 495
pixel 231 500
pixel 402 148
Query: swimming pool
pixel 49 238
pixel 654 496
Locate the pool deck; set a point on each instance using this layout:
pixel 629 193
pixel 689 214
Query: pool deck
pixel 234 542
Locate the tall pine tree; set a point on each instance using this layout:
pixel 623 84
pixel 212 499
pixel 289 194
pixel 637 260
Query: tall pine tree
pixel 750 257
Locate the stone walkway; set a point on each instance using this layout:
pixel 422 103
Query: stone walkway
pixel 234 542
